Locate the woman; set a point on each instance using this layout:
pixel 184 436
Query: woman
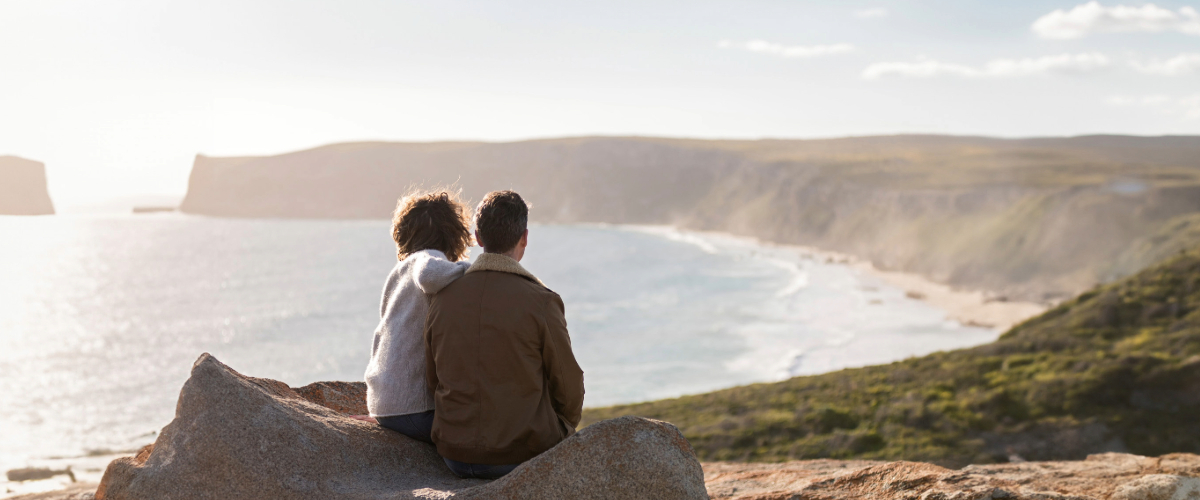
pixel 432 235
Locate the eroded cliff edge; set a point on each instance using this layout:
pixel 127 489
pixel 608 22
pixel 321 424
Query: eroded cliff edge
pixel 1029 219
pixel 23 187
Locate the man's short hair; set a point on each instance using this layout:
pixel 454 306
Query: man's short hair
pixel 500 221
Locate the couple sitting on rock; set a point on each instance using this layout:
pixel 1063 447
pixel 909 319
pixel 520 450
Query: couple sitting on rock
pixel 473 358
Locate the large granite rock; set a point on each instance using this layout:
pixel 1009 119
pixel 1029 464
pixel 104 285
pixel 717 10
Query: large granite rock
pixel 241 437
pixel 23 187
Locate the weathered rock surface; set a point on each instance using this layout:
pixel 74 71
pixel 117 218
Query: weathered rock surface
pixel 1159 486
pixel 241 437
pixel 23 187
pixel 1109 476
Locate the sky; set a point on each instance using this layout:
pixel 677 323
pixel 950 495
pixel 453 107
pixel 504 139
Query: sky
pixel 117 97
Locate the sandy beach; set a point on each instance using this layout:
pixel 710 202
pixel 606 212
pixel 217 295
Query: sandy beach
pixel 969 307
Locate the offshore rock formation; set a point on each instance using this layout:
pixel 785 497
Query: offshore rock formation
pixel 23 187
pixel 1109 476
pixel 1029 219
pixel 240 437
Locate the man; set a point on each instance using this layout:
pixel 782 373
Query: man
pixel 505 383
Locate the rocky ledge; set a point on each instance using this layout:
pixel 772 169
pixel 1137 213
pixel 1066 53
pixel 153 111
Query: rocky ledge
pixel 242 437
pixel 1108 476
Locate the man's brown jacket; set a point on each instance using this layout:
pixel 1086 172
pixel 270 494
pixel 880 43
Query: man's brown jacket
pixel 505 383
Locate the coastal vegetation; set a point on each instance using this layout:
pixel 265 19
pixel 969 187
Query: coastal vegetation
pixel 1115 369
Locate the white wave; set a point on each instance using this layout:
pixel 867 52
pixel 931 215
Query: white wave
pixel 673 234
pixel 799 279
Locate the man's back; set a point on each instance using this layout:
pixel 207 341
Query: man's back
pixel 506 384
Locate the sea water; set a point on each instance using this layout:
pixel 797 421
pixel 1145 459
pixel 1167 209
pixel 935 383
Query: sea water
pixel 101 317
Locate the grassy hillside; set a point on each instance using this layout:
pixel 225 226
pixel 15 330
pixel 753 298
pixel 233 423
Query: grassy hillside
pixel 1030 219
pixel 1116 369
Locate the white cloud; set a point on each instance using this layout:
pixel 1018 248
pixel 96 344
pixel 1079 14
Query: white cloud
pixel 801 51
pixel 925 68
pixel 1091 17
pixel 872 12
pixel 1146 100
pixel 1186 107
pixel 997 68
pixel 1181 64
pixel 1191 107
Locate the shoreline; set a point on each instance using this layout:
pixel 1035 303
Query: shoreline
pixel 968 307
pixel 972 308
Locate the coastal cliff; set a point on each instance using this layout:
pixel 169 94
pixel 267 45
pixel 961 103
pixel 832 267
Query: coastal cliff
pixel 1029 219
pixel 23 187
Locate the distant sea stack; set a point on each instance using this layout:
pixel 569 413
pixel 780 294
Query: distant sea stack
pixel 1031 219
pixel 23 187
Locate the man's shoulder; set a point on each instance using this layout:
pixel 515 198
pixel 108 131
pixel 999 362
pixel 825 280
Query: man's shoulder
pixel 474 279
pixel 513 284
pixel 515 281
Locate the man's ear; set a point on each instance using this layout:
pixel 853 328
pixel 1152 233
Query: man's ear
pixel 525 238
pixel 477 240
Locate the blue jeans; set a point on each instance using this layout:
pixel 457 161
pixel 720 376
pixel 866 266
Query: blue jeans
pixel 414 425
pixel 478 471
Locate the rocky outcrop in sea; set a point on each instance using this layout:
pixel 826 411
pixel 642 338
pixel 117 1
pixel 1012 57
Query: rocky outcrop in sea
pixel 23 187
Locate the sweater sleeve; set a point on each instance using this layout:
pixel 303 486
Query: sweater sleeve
pixel 432 272
pixel 565 376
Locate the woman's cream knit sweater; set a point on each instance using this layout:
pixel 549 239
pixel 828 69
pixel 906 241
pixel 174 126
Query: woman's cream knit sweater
pixel 396 374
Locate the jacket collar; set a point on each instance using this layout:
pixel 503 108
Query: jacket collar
pixel 501 263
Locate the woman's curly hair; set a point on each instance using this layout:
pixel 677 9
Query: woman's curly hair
pixel 434 220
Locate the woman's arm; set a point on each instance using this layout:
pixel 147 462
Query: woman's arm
pixel 432 272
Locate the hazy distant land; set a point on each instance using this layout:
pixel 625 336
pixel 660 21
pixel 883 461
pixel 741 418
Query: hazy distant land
pixel 23 187
pixel 1030 219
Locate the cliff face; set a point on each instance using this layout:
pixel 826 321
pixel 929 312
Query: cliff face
pixel 1033 219
pixel 23 187
pixel 569 180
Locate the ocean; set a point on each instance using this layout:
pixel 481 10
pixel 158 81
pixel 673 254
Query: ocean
pixel 101 317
